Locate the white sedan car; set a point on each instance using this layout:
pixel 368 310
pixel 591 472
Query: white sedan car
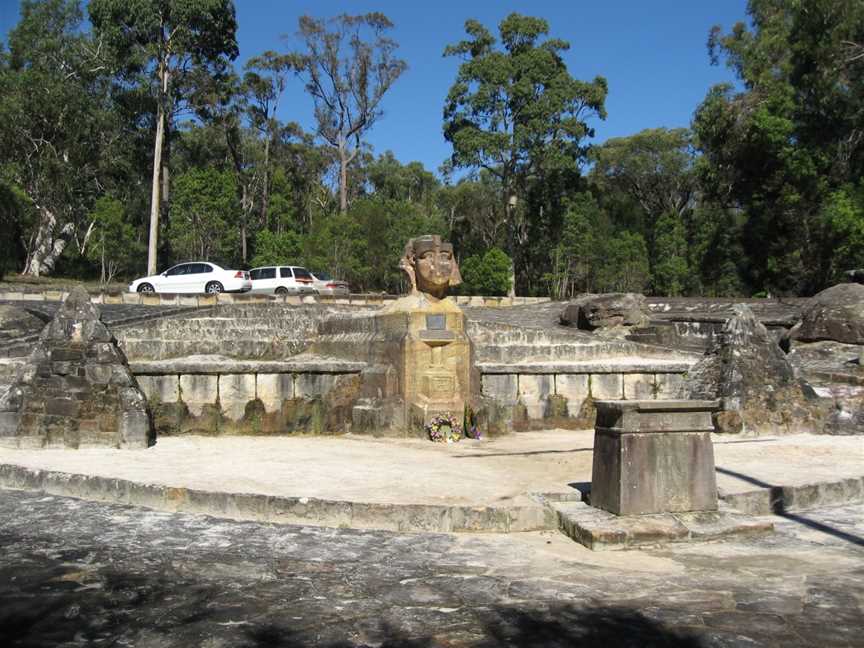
pixel 196 277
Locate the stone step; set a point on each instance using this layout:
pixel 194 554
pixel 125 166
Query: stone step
pixel 136 349
pixel 574 352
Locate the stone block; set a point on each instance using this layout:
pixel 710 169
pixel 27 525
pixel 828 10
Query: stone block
pixel 235 391
pixel 575 388
pixel 533 392
pixel 62 407
pixel 272 389
pixel 134 429
pixel 161 389
pixel 669 386
pixel 639 386
pixel 99 374
pixel 131 298
pixel 312 385
pixel 653 457
pixel 197 391
pixel 206 300
pixel 501 387
pixel 607 386
pixel 112 298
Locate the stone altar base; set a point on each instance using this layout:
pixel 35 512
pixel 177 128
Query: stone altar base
pixel 600 530
pixel 654 457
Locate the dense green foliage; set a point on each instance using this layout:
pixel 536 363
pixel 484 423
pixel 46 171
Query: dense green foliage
pixel 486 275
pixel 764 193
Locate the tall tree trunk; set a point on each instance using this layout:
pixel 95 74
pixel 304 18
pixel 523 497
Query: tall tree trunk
pixel 48 245
pixel 155 198
pixel 343 176
pixel 266 186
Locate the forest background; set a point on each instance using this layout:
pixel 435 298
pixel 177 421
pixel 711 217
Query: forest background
pixel 130 140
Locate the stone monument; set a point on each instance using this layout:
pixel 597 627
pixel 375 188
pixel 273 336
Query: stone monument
pixel 435 363
pixel 75 389
pixel 416 348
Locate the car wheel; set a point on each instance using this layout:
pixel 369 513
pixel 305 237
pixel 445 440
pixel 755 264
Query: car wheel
pixel 281 291
pixel 146 288
pixel 213 287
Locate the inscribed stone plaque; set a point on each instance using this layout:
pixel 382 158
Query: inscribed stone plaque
pixel 436 323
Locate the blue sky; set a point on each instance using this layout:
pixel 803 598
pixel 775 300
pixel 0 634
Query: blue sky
pixel 653 55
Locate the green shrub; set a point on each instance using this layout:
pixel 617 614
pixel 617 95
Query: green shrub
pixel 486 275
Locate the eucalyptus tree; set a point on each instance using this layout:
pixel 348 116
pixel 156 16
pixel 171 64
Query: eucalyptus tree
pixel 516 112
pixel 264 84
pixel 158 43
pixel 348 64
pixel 54 126
pixel 789 136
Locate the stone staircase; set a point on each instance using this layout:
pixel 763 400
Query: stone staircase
pixel 239 331
pixel 496 346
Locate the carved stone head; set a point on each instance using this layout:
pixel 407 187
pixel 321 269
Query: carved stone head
pixel 429 263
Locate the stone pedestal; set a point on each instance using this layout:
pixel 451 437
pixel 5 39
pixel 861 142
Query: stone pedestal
pixel 653 457
pixel 434 363
pixel 418 363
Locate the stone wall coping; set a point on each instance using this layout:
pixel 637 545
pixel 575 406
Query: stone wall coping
pixel 187 366
pixel 670 405
pixel 195 299
pixel 645 366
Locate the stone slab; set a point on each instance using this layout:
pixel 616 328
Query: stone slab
pixel 607 386
pixel 575 388
pixel 533 392
pixel 669 385
pixel 163 389
pixel 273 389
pixel 196 391
pixel 235 391
pixel 502 387
pixel 599 530
pixel 639 386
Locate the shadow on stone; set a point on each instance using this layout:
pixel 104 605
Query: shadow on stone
pixel 521 454
pixel 779 503
pixel 565 625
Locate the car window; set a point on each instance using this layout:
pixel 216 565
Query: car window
pixel 302 273
pixel 322 276
pixel 255 274
pixel 267 273
pixel 202 268
pixel 181 269
pixel 285 273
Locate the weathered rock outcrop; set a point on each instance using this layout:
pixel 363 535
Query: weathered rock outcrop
pixel 836 313
pixel 75 388
pixel 758 388
pixel 590 312
pixel 835 371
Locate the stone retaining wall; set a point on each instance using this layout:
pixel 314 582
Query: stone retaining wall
pixel 251 403
pixel 568 397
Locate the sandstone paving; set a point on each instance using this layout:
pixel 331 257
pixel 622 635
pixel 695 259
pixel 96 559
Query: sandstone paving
pixel 77 573
pixel 497 472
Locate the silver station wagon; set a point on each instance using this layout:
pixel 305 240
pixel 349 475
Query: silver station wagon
pixel 282 280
